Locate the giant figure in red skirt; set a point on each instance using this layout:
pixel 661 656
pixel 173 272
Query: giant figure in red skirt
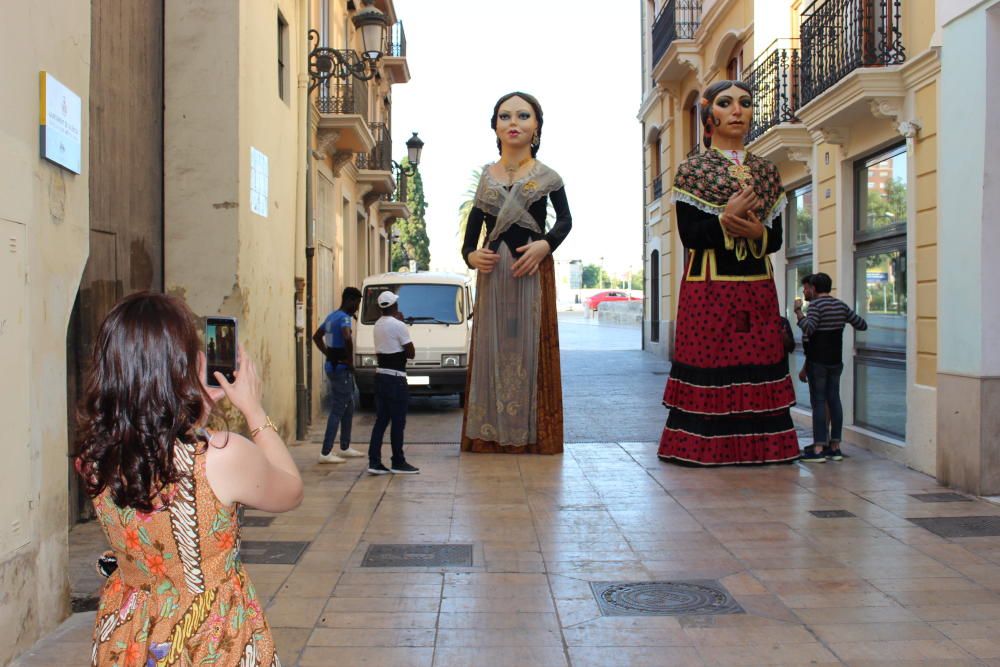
pixel 729 390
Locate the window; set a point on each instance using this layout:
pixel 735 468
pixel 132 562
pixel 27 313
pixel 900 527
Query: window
pixel 798 221
pixel 419 302
pixel 734 66
pixel 880 291
pixel 654 297
pixel 695 119
pixel 282 57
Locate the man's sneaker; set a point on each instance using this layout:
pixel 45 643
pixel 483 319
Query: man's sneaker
pixel 330 458
pixel 405 469
pixel 833 454
pixel 378 470
pixel 810 455
pixel 350 453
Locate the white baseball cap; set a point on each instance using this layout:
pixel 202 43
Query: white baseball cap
pixel 386 299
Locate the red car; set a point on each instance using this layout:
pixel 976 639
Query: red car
pixel 592 302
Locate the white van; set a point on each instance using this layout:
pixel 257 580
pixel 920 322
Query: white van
pixel 438 309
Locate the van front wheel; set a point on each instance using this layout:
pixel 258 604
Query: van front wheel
pixel 367 401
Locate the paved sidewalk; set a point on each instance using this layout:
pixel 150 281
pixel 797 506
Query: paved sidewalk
pixel 869 588
pixel 873 589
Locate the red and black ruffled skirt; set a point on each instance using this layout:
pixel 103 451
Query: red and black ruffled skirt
pixel 729 389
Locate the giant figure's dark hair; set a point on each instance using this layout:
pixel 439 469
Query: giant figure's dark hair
pixel 143 394
pixel 710 94
pixel 530 99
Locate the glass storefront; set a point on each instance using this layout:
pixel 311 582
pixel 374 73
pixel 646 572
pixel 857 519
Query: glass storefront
pixel 880 292
pixel 799 236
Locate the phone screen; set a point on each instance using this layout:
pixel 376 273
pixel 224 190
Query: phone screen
pixel 220 348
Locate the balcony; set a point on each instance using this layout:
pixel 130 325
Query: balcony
pixel 393 206
pixel 375 166
pixel 774 78
pixel 674 53
pixel 342 110
pixel 851 55
pixel 394 60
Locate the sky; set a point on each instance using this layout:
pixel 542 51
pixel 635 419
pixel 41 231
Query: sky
pixel 583 65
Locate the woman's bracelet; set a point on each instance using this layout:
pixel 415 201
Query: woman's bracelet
pixel 266 425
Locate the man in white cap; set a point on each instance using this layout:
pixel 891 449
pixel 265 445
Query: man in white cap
pixel 393 347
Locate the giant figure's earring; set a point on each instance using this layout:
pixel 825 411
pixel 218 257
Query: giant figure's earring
pixel 535 140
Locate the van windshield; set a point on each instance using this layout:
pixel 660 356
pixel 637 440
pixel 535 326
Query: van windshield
pixel 421 303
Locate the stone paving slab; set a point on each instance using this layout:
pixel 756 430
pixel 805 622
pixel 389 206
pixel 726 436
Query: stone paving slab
pixel 868 589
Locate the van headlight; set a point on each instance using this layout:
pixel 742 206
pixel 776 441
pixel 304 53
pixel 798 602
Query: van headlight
pixel 367 360
pixel 452 360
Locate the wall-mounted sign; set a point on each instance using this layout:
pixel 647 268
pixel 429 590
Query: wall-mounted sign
pixel 258 182
pixel 61 123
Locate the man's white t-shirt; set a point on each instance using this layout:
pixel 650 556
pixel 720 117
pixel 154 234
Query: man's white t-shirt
pixel 391 335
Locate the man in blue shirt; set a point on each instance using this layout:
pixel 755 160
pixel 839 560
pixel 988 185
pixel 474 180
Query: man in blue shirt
pixel 333 338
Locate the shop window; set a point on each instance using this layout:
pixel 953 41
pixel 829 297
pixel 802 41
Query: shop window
pixel 880 292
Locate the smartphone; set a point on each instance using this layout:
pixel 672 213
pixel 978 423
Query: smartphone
pixel 220 349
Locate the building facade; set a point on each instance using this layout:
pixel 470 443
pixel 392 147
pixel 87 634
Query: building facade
pixel 847 96
pixel 354 193
pixel 183 150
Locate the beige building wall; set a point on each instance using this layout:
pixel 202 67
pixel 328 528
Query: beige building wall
pixel 44 227
pixel 868 110
pixel 222 100
pixel 350 224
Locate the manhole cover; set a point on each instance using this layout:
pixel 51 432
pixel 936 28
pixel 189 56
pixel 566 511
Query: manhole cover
pixel 418 555
pixel 664 598
pixel 271 553
pixel 831 514
pixel 256 521
pixel 961 526
pixel 946 497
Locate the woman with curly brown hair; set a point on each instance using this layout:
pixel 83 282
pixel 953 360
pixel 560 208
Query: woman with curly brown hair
pixel 166 490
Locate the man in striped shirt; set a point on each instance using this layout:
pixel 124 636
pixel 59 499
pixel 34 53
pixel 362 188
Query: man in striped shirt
pixel 824 325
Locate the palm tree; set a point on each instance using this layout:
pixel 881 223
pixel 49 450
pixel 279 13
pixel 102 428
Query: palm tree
pixel 470 197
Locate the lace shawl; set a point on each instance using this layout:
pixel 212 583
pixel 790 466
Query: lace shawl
pixel 510 207
pixel 707 180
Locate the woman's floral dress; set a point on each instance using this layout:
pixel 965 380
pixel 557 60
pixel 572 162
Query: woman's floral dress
pixel 180 595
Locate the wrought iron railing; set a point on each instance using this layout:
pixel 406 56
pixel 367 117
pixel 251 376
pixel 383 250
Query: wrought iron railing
pixel 380 157
pixel 774 79
pixel 679 19
pixel 339 96
pixel 840 36
pixel 395 41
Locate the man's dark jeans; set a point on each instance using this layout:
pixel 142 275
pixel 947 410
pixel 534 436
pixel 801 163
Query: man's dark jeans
pixel 392 397
pixel 824 395
pixel 341 408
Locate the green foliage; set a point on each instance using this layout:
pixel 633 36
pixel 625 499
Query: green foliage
pixel 413 242
pixel 638 280
pixel 594 277
pixel 470 198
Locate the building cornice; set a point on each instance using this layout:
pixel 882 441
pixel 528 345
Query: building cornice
pixel 652 97
pixel 921 70
pixel 787 141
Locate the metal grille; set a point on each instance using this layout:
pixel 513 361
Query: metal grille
pixel 664 598
pixel 831 514
pixel 340 96
pixel 679 19
pixel 961 526
pixel 774 79
pixel 396 41
pixel 840 36
pixel 418 555
pixel 380 158
pixel 941 497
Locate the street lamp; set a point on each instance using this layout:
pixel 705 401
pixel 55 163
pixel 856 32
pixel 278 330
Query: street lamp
pixel 326 63
pixel 414 148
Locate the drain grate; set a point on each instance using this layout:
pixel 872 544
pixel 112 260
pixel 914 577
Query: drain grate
pixel 831 514
pixel 946 497
pixel 90 603
pixel 961 526
pixel 418 555
pixel 256 521
pixel 701 597
pixel 271 552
